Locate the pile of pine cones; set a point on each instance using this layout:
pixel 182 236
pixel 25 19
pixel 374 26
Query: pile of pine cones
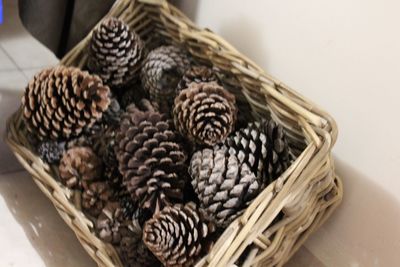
pixel 150 142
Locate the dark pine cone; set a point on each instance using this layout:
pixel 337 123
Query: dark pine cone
pixel 263 146
pixel 150 158
pixel 133 212
pixel 197 74
pixel 115 53
pixel 134 253
pixel 223 184
pixel 60 102
pixel 111 225
pixel 161 72
pixel 79 166
pixel 131 95
pixel 95 197
pixel 112 115
pixel 279 156
pixel 104 145
pixel 205 113
pixel 51 151
pixel 177 235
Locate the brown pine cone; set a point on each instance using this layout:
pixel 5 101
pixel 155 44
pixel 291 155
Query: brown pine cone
pixel 60 102
pixel 79 166
pixel 205 113
pixel 134 253
pixel 150 158
pixel 111 225
pixel 197 74
pixel 223 184
pixel 115 53
pixel 177 235
pixel 95 197
pixel 161 72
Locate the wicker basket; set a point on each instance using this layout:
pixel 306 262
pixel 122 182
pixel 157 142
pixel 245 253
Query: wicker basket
pixel 306 194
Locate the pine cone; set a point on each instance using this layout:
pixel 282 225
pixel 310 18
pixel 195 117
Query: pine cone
pixel 250 146
pixel 232 84
pixel 161 72
pixel 59 102
pixel 95 197
pixel 263 146
pixel 79 166
pixel 205 113
pixel 150 158
pixel 177 235
pixel 51 151
pixel 111 224
pixel 104 146
pixel 127 205
pixel 133 212
pixel 112 115
pixel 134 253
pixel 131 95
pixel 223 184
pixel 279 156
pixel 197 74
pixel 115 53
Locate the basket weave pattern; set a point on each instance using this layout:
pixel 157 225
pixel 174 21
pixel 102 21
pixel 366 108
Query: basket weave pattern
pixel 306 193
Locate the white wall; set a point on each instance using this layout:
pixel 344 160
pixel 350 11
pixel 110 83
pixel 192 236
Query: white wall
pixel 344 55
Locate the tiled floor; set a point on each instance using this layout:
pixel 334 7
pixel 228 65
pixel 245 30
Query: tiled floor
pixel 32 233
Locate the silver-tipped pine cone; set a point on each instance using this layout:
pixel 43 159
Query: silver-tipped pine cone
pixel 80 166
pixel 60 102
pixel 205 113
pixel 115 53
pixel 224 185
pixel 162 70
pixel 177 235
pixel 264 147
pixel 151 158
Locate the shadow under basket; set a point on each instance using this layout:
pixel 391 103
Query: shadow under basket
pixel 281 218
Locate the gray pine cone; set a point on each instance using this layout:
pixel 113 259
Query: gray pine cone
pixel 197 74
pixel 161 72
pixel 51 151
pixel 223 184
